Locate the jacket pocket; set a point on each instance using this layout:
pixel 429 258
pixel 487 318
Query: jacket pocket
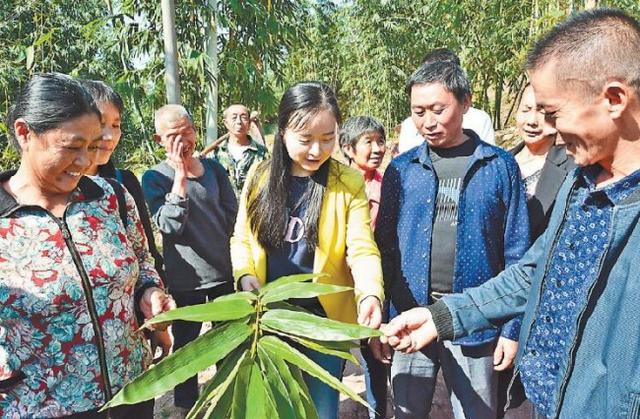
pixel 633 411
pixel 9 383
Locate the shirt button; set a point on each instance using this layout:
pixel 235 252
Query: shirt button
pixel 534 352
pixel 559 283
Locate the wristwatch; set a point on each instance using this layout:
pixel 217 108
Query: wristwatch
pixel 174 199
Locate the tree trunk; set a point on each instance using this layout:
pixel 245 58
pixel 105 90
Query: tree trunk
pixel 211 62
pixel 171 77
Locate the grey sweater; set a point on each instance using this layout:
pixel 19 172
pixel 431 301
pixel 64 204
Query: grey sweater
pixel 196 231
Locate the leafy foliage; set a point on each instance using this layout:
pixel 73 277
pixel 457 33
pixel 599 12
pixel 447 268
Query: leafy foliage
pixel 261 372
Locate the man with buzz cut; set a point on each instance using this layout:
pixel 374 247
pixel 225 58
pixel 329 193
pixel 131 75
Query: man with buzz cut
pixel 192 203
pixel 579 284
pixel 239 152
pixel 452 215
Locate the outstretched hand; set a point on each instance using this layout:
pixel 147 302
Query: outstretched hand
pixel 410 331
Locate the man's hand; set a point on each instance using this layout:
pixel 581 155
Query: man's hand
pixel 370 312
pixel 504 354
pixel 249 283
pixel 160 339
pixel 410 331
pixel 155 301
pixel 380 351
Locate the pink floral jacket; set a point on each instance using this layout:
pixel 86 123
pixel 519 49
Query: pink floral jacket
pixel 68 292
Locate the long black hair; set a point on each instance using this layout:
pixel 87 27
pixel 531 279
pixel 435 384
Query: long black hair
pixel 267 206
pixel 47 101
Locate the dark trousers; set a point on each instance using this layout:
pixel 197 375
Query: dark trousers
pixel 186 394
pixel 376 375
pixel 142 410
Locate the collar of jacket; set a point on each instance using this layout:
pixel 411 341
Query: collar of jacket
pixel 556 155
pixel 253 145
pixel 88 189
pixel 107 170
pixel 577 175
pixel 483 151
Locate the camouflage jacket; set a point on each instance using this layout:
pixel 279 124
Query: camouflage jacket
pixel 238 170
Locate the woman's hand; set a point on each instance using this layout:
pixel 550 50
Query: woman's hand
pixel 370 312
pixel 155 301
pixel 160 339
pixel 380 351
pixel 249 283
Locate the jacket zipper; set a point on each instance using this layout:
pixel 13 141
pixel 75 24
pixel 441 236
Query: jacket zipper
pixel 86 286
pixel 565 379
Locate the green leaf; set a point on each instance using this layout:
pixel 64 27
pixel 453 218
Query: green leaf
pixel 315 327
pixel 298 392
pixel 276 387
pixel 286 280
pixel 241 295
pixel 221 381
pixel 221 409
pixel 302 290
pixel 250 398
pixel 214 311
pixel 206 350
pixel 275 347
pixel 43 38
pixel 339 349
pixel 307 402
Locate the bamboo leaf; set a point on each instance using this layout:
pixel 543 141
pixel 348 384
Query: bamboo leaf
pixel 240 295
pixel 307 402
pixel 214 311
pixel 250 398
pixel 302 290
pixel 298 391
pixel 275 347
pixel 339 349
pixel 222 407
pixel 314 327
pixel 218 385
pixel 276 387
pixel 286 280
pixel 206 350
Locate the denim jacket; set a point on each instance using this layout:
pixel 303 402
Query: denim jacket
pixel 602 377
pixel 493 227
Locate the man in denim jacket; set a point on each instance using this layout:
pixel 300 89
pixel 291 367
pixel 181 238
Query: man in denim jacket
pixel 452 216
pixel 579 285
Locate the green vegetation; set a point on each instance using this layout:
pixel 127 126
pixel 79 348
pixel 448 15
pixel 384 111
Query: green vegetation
pixel 364 49
pixel 256 341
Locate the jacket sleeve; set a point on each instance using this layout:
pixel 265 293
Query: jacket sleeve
pixel 228 198
pixel 492 303
pixel 241 254
pixel 169 217
pixel 363 256
pixel 386 229
pixel 516 236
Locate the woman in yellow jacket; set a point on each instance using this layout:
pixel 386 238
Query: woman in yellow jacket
pixel 302 211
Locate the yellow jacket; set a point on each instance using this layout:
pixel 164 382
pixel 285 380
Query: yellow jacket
pixel 346 250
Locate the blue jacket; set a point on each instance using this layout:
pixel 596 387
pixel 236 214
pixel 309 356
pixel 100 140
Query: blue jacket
pixel 493 226
pixel 602 376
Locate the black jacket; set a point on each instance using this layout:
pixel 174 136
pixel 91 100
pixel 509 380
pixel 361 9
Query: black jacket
pixel 555 169
pixel 130 181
